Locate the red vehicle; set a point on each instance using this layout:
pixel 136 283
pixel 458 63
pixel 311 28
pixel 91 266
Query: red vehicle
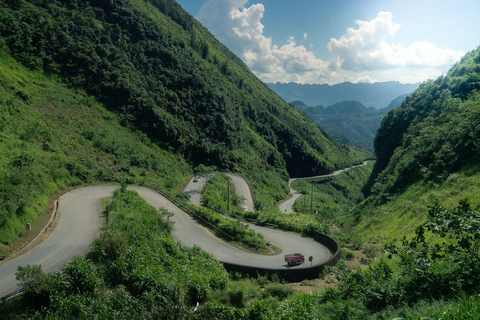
pixel 294 258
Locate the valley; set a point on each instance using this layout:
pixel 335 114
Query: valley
pixel 100 94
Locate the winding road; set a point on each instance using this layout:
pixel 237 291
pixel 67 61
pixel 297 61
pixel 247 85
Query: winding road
pixel 80 221
pixel 286 206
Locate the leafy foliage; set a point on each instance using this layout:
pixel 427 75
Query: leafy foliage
pixel 239 231
pixel 462 225
pixel 334 196
pixel 134 270
pixel 296 222
pixel 218 193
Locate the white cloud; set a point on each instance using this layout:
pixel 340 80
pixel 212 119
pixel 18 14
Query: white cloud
pixel 361 55
pixel 240 29
pixel 366 48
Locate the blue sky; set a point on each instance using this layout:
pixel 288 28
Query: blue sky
pixel 317 41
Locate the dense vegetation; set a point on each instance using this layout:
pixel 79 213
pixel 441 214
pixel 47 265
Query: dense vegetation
pixel 136 270
pixel 432 134
pixel 218 193
pixel 427 151
pixel 331 197
pixel 165 81
pixel 215 195
pixel 169 77
pixel 53 138
pixel 144 77
pixel 349 122
pixel 231 229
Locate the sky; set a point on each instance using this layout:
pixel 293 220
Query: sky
pixel 334 41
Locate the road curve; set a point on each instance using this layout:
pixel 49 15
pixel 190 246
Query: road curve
pixel 189 233
pixel 194 189
pixel 286 206
pixel 78 224
pixel 243 189
pixel 80 221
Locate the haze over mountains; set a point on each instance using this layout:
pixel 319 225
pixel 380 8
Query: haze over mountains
pixel 377 95
pixel 349 122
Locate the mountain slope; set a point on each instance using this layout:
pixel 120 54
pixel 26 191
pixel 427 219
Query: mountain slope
pixel 167 75
pixel 427 151
pixel 434 132
pixel 53 138
pixel 349 122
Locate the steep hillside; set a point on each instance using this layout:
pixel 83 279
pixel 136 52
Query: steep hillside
pixel 427 151
pixel 168 76
pixel 433 133
pixel 53 138
pixel 377 95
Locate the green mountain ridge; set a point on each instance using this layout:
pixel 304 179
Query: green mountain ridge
pixel 53 138
pixel 427 151
pixel 107 98
pixel 168 76
pixel 433 133
pixel 174 98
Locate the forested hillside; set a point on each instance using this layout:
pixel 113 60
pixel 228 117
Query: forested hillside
pixel 53 138
pixel 168 76
pixel 136 89
pixel 434 133
pixel 427 151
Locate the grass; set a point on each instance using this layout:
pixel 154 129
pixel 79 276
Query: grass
pixel 330 196
pixel 404 212
pixel 218 193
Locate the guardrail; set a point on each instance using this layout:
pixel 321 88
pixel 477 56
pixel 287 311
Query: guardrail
pixel 295 273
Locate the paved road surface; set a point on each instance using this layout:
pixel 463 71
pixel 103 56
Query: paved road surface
pixel 80 221
pixel 194 190
pixel 243 189
pixel 286 206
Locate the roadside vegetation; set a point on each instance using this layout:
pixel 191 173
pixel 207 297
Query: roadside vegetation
pixel 301 223
pixel 232 229
pixel 332 196
pixel 215 195
pixel 401 215
pixel 138 92
pixel 219 194
pixel 136 270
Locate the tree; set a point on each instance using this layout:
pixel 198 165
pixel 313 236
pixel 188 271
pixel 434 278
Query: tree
pixel 462 225
pixel 204 171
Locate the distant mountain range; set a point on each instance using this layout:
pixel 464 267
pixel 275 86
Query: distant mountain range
pixel 349 122
pixel 377 95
